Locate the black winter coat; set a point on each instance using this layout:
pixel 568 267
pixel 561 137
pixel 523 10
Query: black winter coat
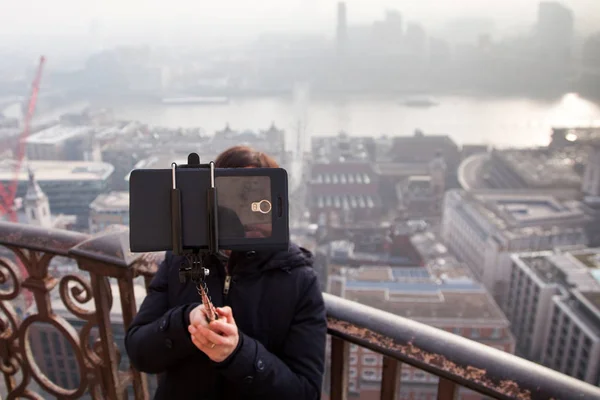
pixel 278 308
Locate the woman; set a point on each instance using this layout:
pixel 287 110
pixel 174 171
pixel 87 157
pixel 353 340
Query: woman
pixel 269 339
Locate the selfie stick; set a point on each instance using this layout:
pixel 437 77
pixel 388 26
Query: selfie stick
pixel 194 269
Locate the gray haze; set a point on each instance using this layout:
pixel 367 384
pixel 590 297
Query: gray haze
pixel 153 19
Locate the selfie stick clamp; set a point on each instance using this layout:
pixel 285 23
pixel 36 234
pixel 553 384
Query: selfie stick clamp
pixel 194 269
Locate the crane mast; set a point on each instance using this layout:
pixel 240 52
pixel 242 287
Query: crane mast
pixel 7 195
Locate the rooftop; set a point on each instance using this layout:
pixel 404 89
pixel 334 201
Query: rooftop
pixel 57 170
pixel 344 185
pixel 544 168
pixel 343 147
pixel 535 209
pixel 593 298
pixel 420 279
pixel 590 258
pixel 571 269
pixel 429 245
pixel 471 306
pixel 342 253
pixel 393 169
pixel 345 201
pixel 119 129
pixel 441 264
pixel 419 292
pixel 422 147
pixel 58 133
pixel 517 215
pixel 113 201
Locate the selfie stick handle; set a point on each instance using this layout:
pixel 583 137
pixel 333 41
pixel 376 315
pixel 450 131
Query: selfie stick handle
pixel 176 215
pixel 194 269
pixel 213 226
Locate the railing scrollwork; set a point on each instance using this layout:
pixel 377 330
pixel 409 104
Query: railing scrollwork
pixel 26 253
pixel 88 300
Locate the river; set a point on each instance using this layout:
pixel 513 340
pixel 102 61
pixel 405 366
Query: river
pixel 498 121
pixel 501 122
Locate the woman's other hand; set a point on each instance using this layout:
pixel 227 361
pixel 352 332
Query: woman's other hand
pixel 219 338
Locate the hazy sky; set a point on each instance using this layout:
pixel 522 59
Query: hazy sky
pixel 242 16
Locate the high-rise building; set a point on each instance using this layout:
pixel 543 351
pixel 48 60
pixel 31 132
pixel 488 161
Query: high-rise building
pixel 483 229
pixel 589 81
pixel 554 310
pixel 591 52
pixel 342 27
pixel 555 30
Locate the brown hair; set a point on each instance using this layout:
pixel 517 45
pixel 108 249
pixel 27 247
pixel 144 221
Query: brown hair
pixel 244 157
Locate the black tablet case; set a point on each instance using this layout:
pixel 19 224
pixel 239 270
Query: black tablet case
pixel 150 209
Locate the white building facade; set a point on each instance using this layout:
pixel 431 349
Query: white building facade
pixel 484 229
pixel 554 310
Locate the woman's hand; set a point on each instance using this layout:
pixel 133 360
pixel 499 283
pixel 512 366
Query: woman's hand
pixel 198 316
pixel 219 338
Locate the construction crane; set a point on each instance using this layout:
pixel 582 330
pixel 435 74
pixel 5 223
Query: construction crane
pixel 7 195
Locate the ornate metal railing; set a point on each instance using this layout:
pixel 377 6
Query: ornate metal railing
pixel 86 294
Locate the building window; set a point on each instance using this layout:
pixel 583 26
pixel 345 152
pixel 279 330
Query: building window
pixel 352 373
pixel 419 376
pixel 353 347
pixel 49 364
pixel 56 343
pixel 369 374
pixel 475 333
pixel 45 342
pixel 63 380
pixel 369 359
pixel 75 379
pixel 496 333
pixel 353 358
pixel 352 386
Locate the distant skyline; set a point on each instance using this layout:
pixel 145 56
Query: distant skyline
pixel 76 16
pixel 206 22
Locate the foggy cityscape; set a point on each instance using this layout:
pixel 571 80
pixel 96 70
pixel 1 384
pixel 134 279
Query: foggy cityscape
pixel 443 162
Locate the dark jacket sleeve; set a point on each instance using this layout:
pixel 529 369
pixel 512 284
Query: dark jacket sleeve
pixel 158 336
pixel 298 371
